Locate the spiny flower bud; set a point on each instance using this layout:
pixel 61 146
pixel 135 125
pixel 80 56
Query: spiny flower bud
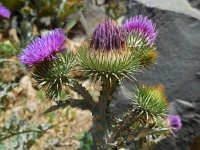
pixel 174 121
pixel 108 36
pixel 44 47
pixel 151 100
pixel 141 29
pixel 4 12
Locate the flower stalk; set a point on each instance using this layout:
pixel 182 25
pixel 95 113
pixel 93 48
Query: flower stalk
pixel 100 123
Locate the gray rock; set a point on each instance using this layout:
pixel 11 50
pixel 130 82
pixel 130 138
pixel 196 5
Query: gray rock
pixel 184 108
pixel 178 6
pixel 91 15
pixel 195 3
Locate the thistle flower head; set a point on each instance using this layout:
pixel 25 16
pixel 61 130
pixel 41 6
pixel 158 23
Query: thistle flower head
pixel 174 121
pixel 108 36
pixel 50 75
pixel 141 29
pixel 109 55
pixel 4 12
pixel 44 47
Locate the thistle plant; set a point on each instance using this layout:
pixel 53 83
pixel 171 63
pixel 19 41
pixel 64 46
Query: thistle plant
pixel 115 52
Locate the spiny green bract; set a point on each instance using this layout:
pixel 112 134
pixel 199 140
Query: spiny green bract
pixel 50 75
pixel 150 101
pixel 109 64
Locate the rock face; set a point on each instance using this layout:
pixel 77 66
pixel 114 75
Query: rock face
pixel 178 66
pixel 178 6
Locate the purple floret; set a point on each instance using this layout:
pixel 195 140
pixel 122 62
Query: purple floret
pixel 108 36
pixel 4 12
pixel 175 121
pixel 141 26
pixel 44 47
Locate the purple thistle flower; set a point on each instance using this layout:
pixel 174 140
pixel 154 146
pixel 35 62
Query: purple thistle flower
pixel 141 26
pixel 108 36
pixel 174 121
pixel 44 47
pixel 4 12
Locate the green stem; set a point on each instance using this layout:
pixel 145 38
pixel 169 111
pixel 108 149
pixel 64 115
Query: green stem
pixel 79 103
pixel 18 133
pixel 100 117
pixel 84 93
pixel 99 131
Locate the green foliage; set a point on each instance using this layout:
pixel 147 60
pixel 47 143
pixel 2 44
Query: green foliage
pixel 5 91
pixel 12 4
pixel 50 75
pixel 116 8
pixel 85 141
pixel 32 16
pixel 150 102
pixel 8 49
pixel 109 64
pixel 18 134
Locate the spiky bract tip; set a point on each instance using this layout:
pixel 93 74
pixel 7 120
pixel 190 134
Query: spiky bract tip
pixel 149 58
pixel 151 101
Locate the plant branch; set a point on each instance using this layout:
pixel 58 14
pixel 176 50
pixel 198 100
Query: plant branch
pixel 84 93
pixel 79 103
pixel 17 133
pixel 100 121
pixel 125 124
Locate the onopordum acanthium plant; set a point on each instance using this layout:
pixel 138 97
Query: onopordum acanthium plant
pixel 115 52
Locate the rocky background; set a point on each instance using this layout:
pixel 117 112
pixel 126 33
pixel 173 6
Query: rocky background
pixel 178 66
